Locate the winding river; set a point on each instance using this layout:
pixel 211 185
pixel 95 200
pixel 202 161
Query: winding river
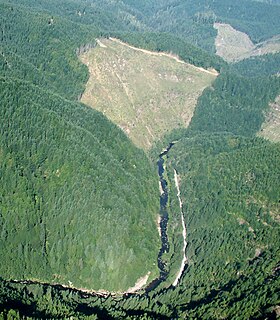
pixel 163 221
pixel 164 241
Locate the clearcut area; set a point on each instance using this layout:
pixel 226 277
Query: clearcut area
pixel 145 93
pixel 233 45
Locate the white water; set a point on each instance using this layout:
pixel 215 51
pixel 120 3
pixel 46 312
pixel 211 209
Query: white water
pixel 184 260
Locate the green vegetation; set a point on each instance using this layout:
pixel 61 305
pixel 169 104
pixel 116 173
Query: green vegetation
pixel 41 49
pixel 265 65
pixel 189 20
pixel 101 15
pixel 193 21
pixel 229 189
pixel 235 104
pixel 79 202
pixel 164 42
pixel 77 198
pixel 68 184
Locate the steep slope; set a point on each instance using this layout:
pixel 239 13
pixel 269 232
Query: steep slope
pixel 78 202
pixel 235 104
pixel 102 14
pixel 188 19
pixel 229 191
pixel 41 48
pixel 233 45
pixel 193 20
pixel 259 66
pixel 146 93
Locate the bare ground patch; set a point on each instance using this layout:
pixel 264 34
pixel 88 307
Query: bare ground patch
pixel 145 93
pixel 233 45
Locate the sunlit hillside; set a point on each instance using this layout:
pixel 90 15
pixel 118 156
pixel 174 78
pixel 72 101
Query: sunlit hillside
pixel 146 93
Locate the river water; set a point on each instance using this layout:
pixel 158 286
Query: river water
pixel 164 238
pixel 163 273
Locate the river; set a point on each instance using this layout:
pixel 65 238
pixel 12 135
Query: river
pixel 163 222
pixel 164 240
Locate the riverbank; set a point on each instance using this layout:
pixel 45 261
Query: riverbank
pixel 141 284
pixel 184 232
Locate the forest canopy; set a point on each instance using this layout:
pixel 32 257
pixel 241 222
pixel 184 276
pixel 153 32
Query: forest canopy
pixel 79 202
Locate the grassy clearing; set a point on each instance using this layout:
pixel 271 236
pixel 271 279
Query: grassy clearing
pixel 271 127
pixel 233 45
pixel 146 94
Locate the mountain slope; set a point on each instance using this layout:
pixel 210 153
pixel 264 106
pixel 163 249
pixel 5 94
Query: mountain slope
pixel 193 21
pixel 187 19
pixel 42 49
pixel 233 45
pixel 77 198
pixel 146 93
pixel 79 202
pixel 69 177
pixel 230 190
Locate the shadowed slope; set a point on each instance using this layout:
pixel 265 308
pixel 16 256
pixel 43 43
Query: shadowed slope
pixel 78 200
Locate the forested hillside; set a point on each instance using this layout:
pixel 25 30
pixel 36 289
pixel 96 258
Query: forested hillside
pixel 69 177
pixel 189 20
pixel 235 104
pixel 41 49
pixel 230 191
pixel 271 127
pixel 265 65
pixel 68 181
pixel 193 21
pixel 80 204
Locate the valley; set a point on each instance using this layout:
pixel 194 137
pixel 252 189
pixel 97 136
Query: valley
pixel 139 159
